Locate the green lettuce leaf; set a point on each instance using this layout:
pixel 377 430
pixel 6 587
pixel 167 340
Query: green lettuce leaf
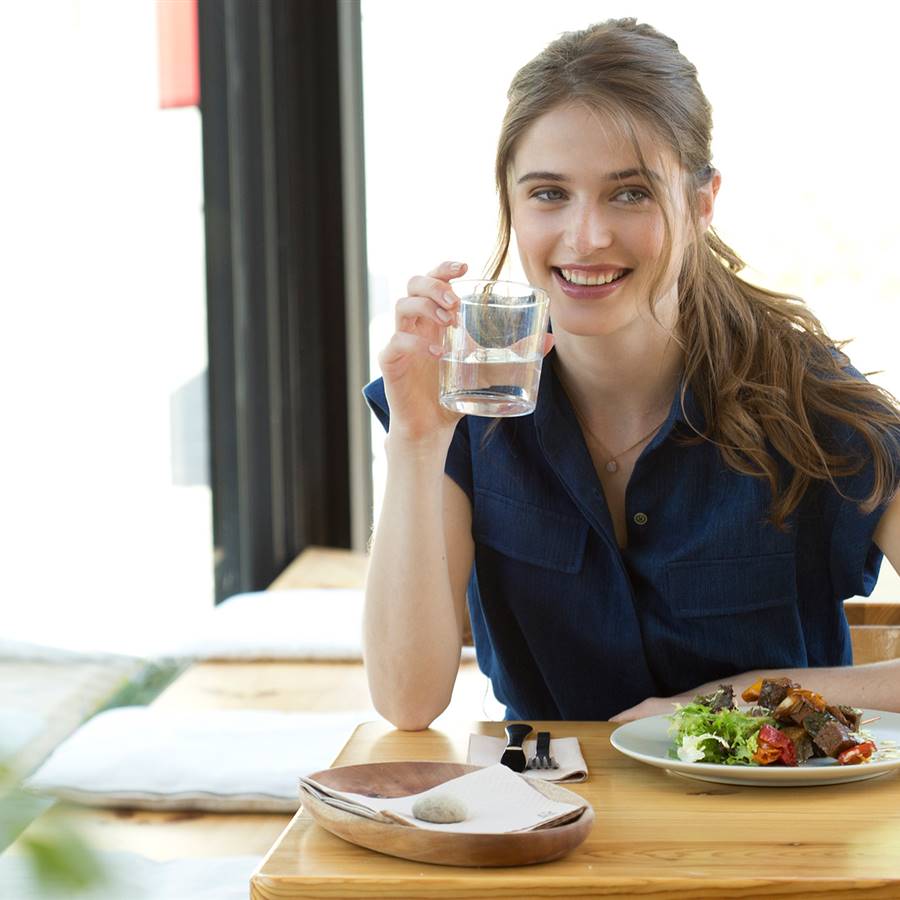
pixel 727 737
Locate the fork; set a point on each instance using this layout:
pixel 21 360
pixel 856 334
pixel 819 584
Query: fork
pixel 542 758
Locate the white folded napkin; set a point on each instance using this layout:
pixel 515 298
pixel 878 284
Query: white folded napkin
pixel 230 760
pixel 496 800
pixel 485 750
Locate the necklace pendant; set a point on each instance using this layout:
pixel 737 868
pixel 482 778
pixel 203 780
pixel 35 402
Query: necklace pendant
pixel 612 466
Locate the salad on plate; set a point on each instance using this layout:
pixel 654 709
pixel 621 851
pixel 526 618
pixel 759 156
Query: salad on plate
pixel 782 725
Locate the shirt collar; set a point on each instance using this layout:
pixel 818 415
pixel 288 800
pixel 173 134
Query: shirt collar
pixel 554 409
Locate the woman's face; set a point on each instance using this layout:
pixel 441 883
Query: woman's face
pixel 589 225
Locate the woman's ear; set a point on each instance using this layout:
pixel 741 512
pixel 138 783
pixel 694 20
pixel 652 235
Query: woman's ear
pixel 706 199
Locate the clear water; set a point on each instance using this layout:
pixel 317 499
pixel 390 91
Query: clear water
pixel 490 382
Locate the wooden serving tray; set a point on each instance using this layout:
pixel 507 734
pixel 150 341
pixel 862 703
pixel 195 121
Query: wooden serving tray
pixel 398 779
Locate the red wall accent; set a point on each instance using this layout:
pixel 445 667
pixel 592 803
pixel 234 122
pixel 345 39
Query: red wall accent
pixel 179 63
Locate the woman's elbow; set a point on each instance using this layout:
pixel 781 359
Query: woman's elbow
pixel 405 718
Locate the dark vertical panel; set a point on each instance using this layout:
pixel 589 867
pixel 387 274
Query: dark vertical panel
pixel 275 277
pixel 313 263
pixel 220 318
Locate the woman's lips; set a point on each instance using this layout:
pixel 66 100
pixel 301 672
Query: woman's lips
pixel 588 291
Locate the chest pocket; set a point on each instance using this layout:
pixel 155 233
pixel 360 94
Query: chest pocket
pixel 728 587
pixel 529 533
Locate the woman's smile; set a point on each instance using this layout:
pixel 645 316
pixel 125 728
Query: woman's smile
pixel 589 282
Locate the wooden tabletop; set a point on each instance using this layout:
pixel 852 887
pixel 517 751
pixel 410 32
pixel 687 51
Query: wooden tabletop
pixel 656 834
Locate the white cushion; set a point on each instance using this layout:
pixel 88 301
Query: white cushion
pixel 321 624
pixel 214 760
pixel 304 624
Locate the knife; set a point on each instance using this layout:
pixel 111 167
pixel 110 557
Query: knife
pixel 514 754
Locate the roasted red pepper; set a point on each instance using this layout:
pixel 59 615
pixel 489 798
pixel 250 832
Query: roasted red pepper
pixel 773 746
pixel 855 755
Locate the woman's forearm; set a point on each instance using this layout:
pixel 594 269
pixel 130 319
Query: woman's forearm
pixel 411 631
pixel 869 686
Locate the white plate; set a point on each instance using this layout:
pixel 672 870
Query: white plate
pixel 648 741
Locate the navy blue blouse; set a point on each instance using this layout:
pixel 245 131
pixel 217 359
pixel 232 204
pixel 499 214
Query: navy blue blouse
pixel 569 626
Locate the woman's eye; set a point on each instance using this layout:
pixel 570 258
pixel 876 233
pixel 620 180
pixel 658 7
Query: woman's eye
pixel 633 195
pixel 549 195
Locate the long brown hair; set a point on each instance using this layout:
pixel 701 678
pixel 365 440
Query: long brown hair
pixel 769 381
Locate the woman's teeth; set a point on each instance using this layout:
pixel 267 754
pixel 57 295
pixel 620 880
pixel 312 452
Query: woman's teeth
pixel 577 277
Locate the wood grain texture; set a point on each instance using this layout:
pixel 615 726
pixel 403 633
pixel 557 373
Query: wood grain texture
pixel 864 612
pixel 655 835
pixel 874 643
pixel 324 567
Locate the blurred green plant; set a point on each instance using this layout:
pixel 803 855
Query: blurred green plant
pixel 60 860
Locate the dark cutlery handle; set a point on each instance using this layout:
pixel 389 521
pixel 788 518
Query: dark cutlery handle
pixel 543 745
pixel 516 733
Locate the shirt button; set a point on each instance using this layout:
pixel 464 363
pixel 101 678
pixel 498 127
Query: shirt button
pixel 640 518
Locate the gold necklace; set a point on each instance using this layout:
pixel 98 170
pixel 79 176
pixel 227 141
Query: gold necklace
pixel 611 465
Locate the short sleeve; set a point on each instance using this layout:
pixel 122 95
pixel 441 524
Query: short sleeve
pixel 459 458
pixel 855 558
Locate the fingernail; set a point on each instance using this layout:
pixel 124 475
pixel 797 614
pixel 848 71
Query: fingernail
pixel 449 298
pixel 436 349
pixel 455 266
pixel 442 314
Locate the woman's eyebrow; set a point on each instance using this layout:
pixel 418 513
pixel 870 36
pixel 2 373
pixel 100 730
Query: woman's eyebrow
pixel 612 176
pixel 541 176
pixel 632 173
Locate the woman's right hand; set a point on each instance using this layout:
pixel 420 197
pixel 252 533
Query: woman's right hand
pixel 409 362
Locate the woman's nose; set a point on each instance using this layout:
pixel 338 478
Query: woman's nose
pixel 589 229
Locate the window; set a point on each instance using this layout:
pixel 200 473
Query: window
pixel 106 505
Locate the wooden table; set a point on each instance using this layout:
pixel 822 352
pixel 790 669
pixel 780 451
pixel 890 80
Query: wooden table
pixel 656 835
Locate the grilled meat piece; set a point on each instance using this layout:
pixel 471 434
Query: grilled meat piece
pixel 852 715
pixel 794 708
pixel 774 690
pixel 838 714
pixel 832 738
pixel 812 724
pixel 801 741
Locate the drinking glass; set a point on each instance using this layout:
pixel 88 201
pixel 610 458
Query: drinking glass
pixel 491 365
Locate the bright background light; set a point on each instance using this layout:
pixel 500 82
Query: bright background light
pixel 103 325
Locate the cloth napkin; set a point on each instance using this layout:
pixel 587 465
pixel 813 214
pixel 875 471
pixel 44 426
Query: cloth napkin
pixel 497 801
pixel 485 750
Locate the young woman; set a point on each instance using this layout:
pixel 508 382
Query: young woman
pixel 705 478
